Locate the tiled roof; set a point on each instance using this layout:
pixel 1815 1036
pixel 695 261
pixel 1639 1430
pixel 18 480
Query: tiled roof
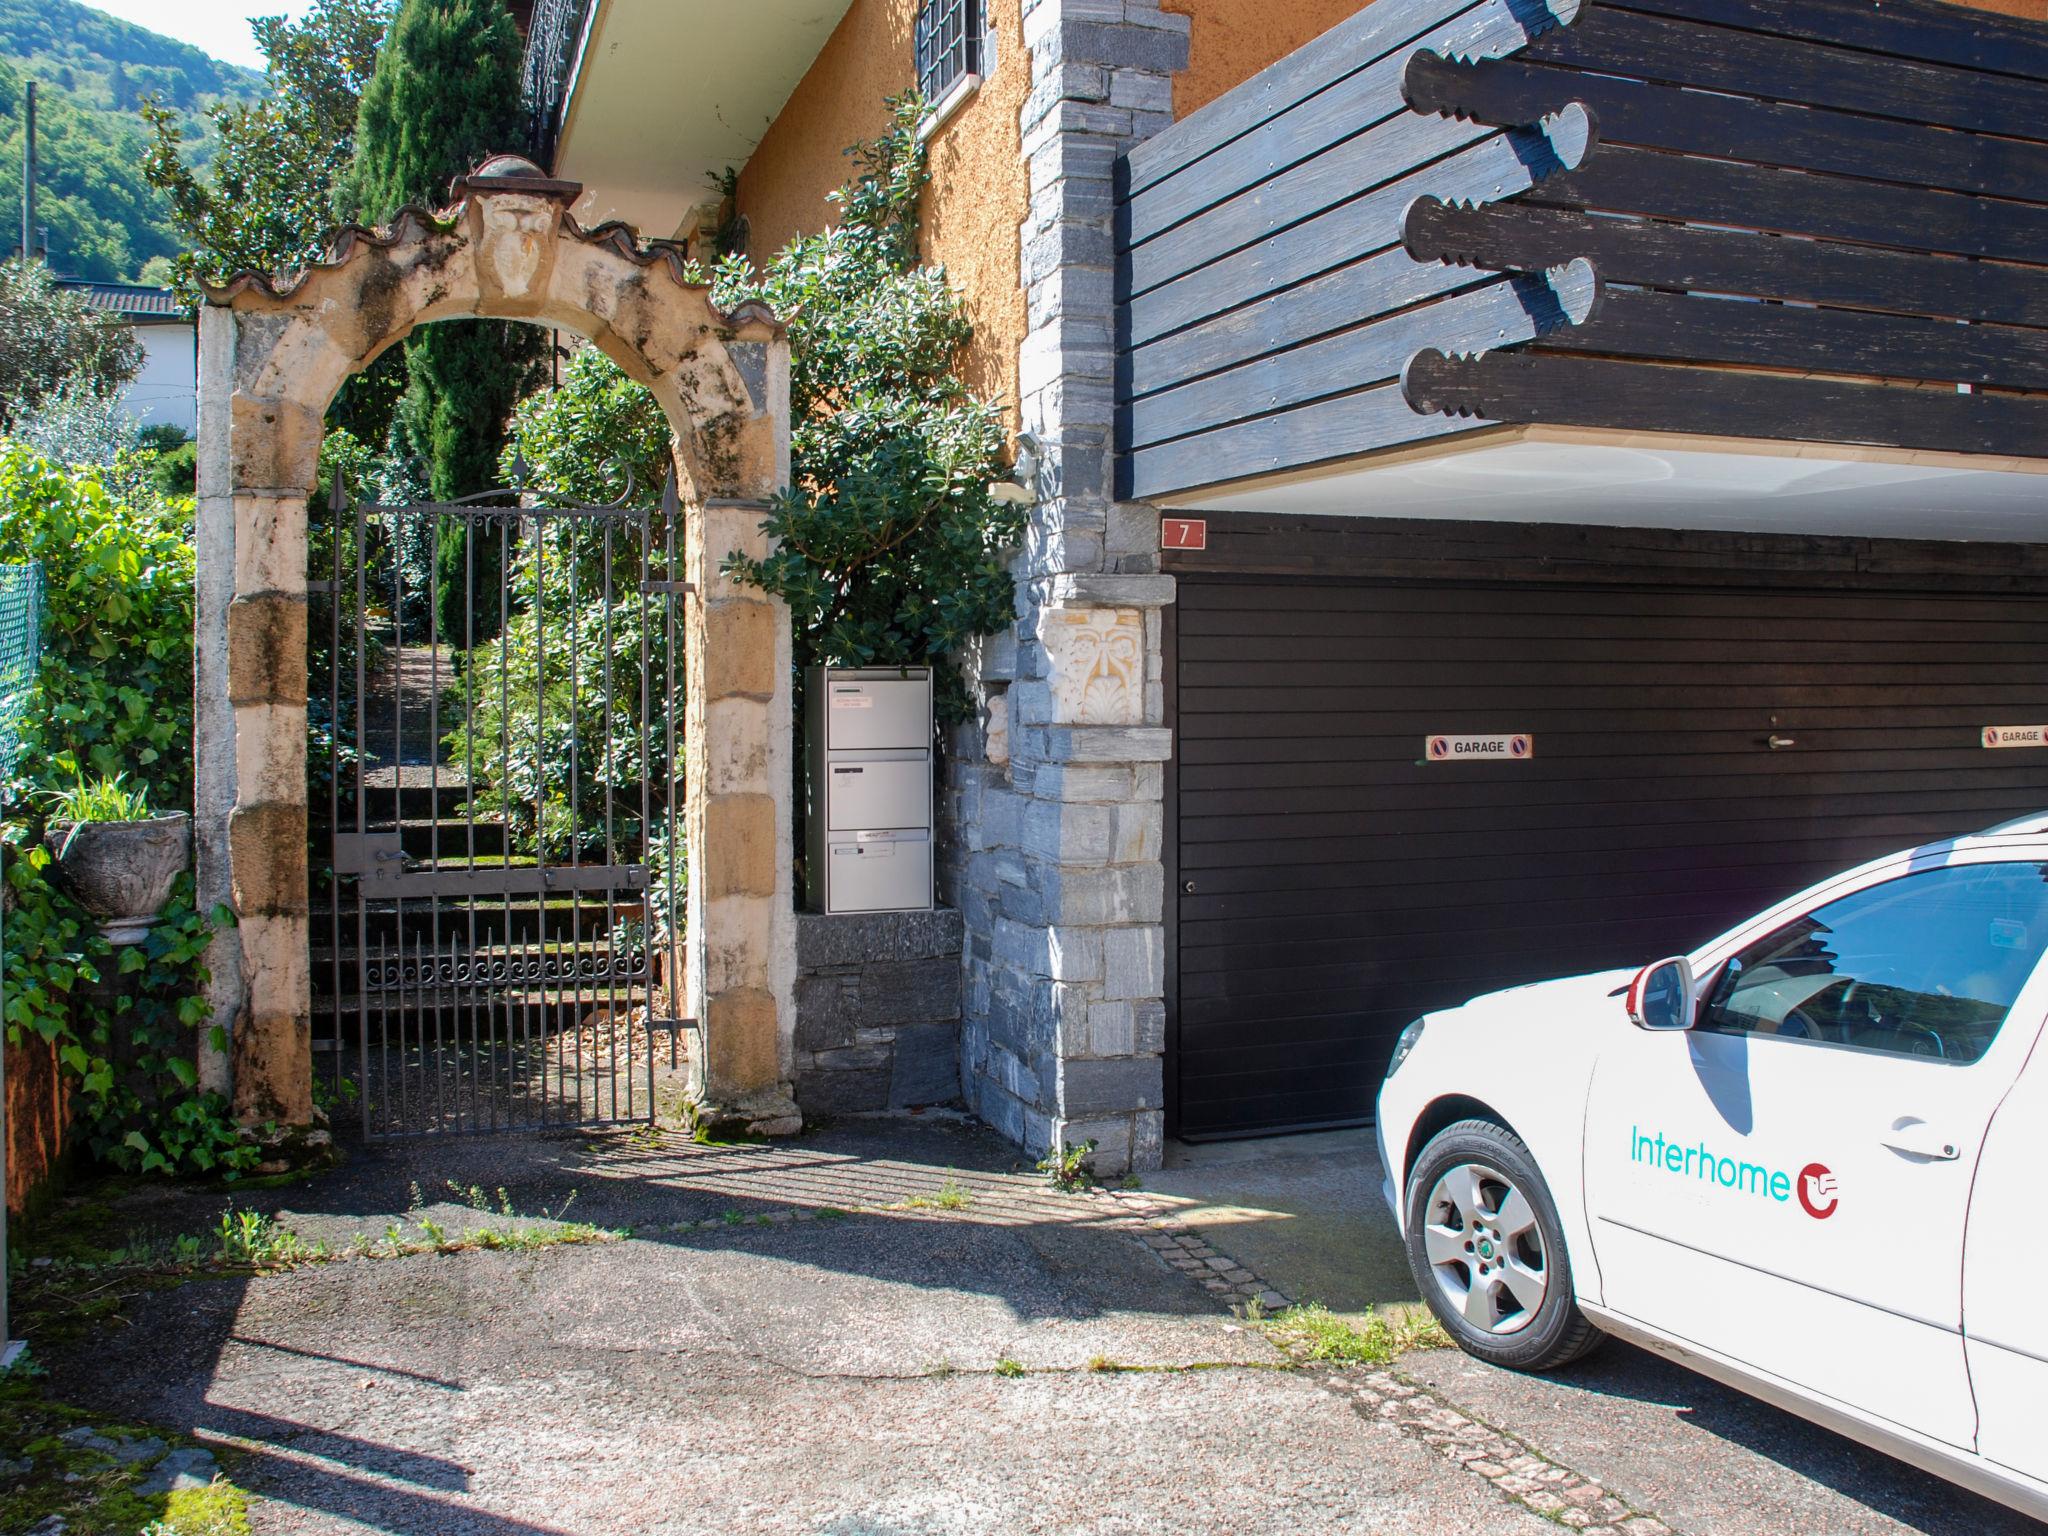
pixel 132 299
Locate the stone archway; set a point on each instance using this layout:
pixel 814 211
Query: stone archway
pixel 271 356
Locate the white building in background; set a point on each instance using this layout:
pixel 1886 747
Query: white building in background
pixel 166 391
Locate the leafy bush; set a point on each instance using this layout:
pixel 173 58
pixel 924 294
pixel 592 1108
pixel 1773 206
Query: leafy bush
pixel 139 1101
pixel 889 549
pixel 115 691
pixel 113 701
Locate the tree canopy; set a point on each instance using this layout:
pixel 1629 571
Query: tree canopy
pixel 269 196
pixel 104 221
pixel 52 341
pixel 445 97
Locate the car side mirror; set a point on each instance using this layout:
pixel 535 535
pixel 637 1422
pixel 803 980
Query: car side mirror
pixel 1661 996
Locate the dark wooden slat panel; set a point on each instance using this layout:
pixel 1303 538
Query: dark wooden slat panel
pixel 1763 133
pixel 1680 328
pixel 1337 176
pixel 1675 52
pixel 1377 30
pixel 1641 251
pixel 1309 127
pixel 1350 296
pixel 1374 32
pixel 1494 163
pixel 1332 429
pixel 1623 179
pixel 1578 391
pixel 1911 29
pixel 1500 311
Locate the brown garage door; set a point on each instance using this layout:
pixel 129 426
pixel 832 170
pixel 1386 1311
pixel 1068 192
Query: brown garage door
pixel 1333 883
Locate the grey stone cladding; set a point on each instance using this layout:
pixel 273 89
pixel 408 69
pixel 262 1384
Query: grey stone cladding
pixel 877 1011
pixel 1052 811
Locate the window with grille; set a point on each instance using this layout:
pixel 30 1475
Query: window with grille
pixel 949 45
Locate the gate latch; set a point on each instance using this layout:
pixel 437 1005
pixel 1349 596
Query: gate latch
pixel 375 856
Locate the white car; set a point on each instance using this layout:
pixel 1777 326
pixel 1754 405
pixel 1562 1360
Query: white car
pixel 1806 1159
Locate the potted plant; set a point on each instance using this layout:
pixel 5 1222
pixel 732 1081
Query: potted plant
pixel 116 857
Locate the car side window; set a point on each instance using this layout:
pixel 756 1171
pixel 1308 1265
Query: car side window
pixel 1925 965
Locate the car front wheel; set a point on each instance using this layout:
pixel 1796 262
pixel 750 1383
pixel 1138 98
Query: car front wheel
pixel 1487 1250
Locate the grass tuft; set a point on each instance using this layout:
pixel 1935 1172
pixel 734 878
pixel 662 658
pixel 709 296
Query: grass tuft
pixel 1313 1332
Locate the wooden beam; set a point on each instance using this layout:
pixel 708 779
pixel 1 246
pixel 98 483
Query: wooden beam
pixel 1579 391
pixel 1673 327
pixel 1492 164
pixel 1502 312
pixel 1621 179
pixel 1383 28
pixel 1672 51
pixel 1653 116
pixel 1509 237
pixel 1314 434
pixel 1358 104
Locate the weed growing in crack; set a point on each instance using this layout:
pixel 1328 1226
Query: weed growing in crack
pixel 952 1196
pixel 1313 1332
pixel 1068 1168
pixel 1102 1365
pixel 1006 1367
pixel 477 1200
pixel 262 1242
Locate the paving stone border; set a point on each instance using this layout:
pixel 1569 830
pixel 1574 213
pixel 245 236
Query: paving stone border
pixel 1509 1463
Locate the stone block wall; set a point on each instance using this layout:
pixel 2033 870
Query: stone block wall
pixel 1052 816
pixel 877 1011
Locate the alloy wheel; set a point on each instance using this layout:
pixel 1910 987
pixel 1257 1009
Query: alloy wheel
pixel 1485 1249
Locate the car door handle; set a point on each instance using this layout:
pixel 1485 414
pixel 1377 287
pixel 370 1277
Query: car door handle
pixel 1916 1138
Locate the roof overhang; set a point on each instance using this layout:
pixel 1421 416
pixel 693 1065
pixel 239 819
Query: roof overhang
pixel 1541 474
pixel 664 93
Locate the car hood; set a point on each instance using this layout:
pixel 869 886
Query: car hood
pixel 1568 1003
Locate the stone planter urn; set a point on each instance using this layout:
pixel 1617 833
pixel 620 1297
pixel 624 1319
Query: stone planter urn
pixel 122 871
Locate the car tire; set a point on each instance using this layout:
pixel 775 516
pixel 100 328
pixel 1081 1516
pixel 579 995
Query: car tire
pixel 1487 1250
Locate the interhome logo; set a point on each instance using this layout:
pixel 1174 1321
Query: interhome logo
pixel 1815 1186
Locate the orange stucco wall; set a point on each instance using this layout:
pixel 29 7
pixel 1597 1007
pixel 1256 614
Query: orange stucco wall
pixel 976 201
pixel 1232 40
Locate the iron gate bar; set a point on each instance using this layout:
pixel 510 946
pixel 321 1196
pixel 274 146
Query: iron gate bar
pixel 494 990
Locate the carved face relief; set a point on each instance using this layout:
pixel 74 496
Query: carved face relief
pixel 1098 665
pixel 517 249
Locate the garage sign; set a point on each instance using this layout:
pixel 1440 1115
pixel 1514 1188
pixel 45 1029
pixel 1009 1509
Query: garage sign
pixel 1477 749
pixel 2016 735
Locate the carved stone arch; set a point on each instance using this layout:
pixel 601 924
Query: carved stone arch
pixel 272 356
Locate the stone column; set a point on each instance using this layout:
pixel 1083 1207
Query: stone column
pixel 258 461
pixel 213 716
pixel 741 966
pixel 1054 802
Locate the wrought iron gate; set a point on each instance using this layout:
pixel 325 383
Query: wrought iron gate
pixel 497 920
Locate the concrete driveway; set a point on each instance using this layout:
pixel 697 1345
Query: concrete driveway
pixel 1306 1215
pixel 964 1350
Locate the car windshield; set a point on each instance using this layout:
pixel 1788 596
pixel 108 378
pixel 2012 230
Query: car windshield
pixel 1925 965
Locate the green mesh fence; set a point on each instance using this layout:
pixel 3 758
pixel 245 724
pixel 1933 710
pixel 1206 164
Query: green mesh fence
pixel 21 649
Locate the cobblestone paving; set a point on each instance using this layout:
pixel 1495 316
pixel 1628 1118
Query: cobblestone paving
pixel 1507 1462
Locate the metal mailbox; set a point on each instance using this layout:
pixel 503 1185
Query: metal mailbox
pixel 868 786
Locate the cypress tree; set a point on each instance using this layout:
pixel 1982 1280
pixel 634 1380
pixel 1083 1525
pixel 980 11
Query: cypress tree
pixel 444 98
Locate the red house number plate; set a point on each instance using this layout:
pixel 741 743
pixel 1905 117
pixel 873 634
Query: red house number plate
pixel 1183 533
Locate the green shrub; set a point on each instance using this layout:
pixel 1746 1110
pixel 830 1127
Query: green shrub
pixel 112 707
pixel 115 691
pixel 889 549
